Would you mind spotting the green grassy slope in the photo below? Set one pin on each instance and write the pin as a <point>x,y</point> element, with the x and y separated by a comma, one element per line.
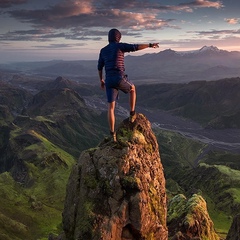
<point>212,176</point>
<point>38,150</point>
<point>31,207</point>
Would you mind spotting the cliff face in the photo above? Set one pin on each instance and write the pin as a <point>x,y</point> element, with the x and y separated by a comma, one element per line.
<point>117,190</point>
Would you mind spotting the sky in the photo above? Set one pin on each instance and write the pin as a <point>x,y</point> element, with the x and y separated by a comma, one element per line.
<point>33,30</point>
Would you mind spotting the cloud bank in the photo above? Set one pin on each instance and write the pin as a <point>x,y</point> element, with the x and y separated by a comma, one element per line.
<point>90,19</point>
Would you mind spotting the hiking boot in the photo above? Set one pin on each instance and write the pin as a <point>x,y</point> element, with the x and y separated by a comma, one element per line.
<point>132,117</point>
<point>113,136</point>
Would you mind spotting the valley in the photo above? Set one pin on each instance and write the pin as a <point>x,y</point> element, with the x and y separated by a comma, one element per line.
<point>222,139</point>
<point>47,121</point>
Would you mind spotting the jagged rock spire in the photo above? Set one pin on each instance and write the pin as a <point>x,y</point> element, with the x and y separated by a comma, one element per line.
<point>117,190</point>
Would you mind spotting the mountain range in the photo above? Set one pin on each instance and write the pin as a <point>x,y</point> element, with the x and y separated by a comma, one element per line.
<point>207,63</point>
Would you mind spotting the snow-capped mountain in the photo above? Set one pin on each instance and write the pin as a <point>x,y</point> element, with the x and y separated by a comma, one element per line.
<point>206,63</point>
<point>209,48</point>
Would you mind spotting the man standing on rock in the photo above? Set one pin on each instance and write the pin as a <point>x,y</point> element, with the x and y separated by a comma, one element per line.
<point>112,58</point>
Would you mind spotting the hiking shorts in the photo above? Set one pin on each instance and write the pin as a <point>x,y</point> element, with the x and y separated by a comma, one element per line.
<point>112,91</point>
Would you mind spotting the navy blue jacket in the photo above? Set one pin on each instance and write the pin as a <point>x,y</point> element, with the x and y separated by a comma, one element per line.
<point>112,58</point>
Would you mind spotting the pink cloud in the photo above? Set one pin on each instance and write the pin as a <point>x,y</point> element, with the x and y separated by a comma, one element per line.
<point>232,20</point>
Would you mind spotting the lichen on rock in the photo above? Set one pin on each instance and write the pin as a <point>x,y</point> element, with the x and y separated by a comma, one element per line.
<point>116,191</point>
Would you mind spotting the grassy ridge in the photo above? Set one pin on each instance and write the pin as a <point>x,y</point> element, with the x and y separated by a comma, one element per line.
<point>34,211</point>
<point>211,177</point>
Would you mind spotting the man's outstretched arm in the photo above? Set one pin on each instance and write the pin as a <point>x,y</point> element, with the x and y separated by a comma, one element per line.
<point>151,45</point>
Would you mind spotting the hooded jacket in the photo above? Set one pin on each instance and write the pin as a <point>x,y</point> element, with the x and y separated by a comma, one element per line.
<point>112,57</point>
<point>114,35</point>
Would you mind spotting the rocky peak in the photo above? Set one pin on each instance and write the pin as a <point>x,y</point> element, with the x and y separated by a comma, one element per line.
<point>188,219</point>
<point>60,82</point>
<point>209,48</point>
<point>116,191</point>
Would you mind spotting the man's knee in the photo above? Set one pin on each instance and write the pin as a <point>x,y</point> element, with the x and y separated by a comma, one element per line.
<point>132,89</point>
<point>111,106</point>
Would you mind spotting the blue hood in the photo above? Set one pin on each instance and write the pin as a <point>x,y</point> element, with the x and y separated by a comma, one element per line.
<point>114,35</point>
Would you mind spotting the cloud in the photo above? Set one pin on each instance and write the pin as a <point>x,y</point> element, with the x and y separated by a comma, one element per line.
<point>80,15</point>
<point>30,35</point>
<point>216,34</point>
<point>232,20</point>
<point>71,14</point>
<point>205,4</point>
<point>44,35</point>
<point>9,3</point>
<point>132,14</point>
<point>190,6</point>
<point>59,46</point>
<point>219,32</point>
<point>72,19</point>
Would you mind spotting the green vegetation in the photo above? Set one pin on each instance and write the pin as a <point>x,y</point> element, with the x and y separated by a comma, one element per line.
<point>214,175</point>
<point>38,151</point>
<point>32,210</point>
<point>177,152</point>
<point>130,183</point>
<point>184,215</point>
<point>222,158</point>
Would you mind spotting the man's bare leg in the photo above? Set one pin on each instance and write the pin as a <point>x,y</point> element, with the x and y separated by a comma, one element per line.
<point>111,119</point>
<point>132,98</point>
<point>132,103</point>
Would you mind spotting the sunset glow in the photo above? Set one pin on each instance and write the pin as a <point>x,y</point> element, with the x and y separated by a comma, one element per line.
<point>76,29</point>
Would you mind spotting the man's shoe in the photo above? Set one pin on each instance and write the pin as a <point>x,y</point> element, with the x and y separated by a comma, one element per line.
<point>113,136</point>
<point>132,117</point>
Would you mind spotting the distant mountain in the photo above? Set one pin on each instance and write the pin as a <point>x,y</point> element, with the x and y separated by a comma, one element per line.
<point>210,49</point>
<point>164,66</point>
<point>12,99</point>
<point>207,50</point>
<point>61,82</point>
<point>82,71</point>
<point>173,66</point>
<point>218,71</point>
<point>204,51</point>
